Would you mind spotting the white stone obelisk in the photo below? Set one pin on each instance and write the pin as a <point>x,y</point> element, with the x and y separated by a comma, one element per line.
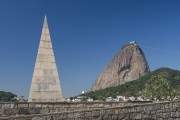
<point>45,86</point>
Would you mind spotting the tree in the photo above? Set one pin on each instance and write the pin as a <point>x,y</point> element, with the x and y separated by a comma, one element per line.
<point>158,87</point>
<point>6,96</point>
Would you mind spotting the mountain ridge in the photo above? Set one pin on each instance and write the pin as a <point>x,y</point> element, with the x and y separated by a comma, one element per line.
<point>127,65</point>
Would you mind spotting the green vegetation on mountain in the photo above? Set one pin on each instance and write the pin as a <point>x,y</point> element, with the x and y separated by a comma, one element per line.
<point>159,88</point>
<point>137,87</point>
<point>7,96</point>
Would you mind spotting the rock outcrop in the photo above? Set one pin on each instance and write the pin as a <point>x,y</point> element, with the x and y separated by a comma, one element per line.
<point>129,64</point>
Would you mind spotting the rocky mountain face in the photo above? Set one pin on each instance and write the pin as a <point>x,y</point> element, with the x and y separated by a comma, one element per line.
<point>129,64</point>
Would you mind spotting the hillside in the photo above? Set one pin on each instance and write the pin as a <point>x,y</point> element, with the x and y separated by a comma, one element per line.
<point>133,88</point>
<point>6,96</point>
<point>127,65</point>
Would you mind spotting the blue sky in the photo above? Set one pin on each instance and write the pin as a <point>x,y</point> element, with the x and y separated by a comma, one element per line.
<point>86,34</point>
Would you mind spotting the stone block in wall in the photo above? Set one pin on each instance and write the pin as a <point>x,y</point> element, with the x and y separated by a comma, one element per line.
<point>23,111</point>
<point>153,117</point>
<point>131,110</point>
<point>70,115</point>
<point>137,116</point>
<point>58,117</point>
<point>32,105</point>
<point>107,105</point>
<point>74,105</point>
<point>52,110</point>
<point>79,115</point>
<point>171,105</point>
<point>166,106</point>
<point>8,112</point>
<point>39,105</point>
<point>153,107</point>
<point>34,111</point>
<point>158,106</point>
<point>88,106</point>
<point>116,111</point>
<point>127,117</point>
<point>47,105</point>
<point>153,112</point>
<point>22,118</point>
<point>45,110</point>
<point>138,109</point>
<point>158,116</point>
<point>162,106</point>
<point>175,114</point>
<point>67,105</point>
<point>173,109</point>
<point>177,104</point>
<point>166,115</point>
<point>95,105</point>
<point>149,107</point>
<point>125,110</point>
<point>58,105</point>
<point>98,118</point>
<point>72,109</point>
<point>146,112</point>
<point>106,117</point>
<point>115,105</point>
<point>178,109</point>
<point>37,118</point>
<point>77,119</point>
<point>104,112</point>
<point>171,119</point>
<point>64,116</point>
<point>15,111</point>
<point>88,115</point>
<point>95,114</point>
<point>100,105</point>
<point>80,105</point>
<point>61,105</point>
<point>114,117</point>
<point>23,105</point>
<point>121,115</point>
<point>6,106</point>
<point>145,116</point>
<point>120,111</point>
<point>62,109</point>
<point>166,110</point>
<point>112,111</point>
<point>52,117</point>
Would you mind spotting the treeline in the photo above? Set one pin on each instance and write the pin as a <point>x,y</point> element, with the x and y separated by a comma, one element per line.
<point>7,96</point>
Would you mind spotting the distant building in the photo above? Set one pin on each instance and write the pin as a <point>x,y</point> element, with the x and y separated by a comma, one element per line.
<point>108,99</point>
<point>19,99</point>
<point>90,100</point>
<point>68,100</point>
<point>140,99</point>
<point>76,100</point>
<point>132,42</point>
<point>132,98</point>
<point>121,98</point>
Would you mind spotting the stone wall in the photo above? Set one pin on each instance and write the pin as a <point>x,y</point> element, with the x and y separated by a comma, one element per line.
<point>13,109</point>
<point>148,111</point>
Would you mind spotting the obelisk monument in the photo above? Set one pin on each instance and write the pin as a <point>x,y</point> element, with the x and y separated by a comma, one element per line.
<point>45,86</point>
